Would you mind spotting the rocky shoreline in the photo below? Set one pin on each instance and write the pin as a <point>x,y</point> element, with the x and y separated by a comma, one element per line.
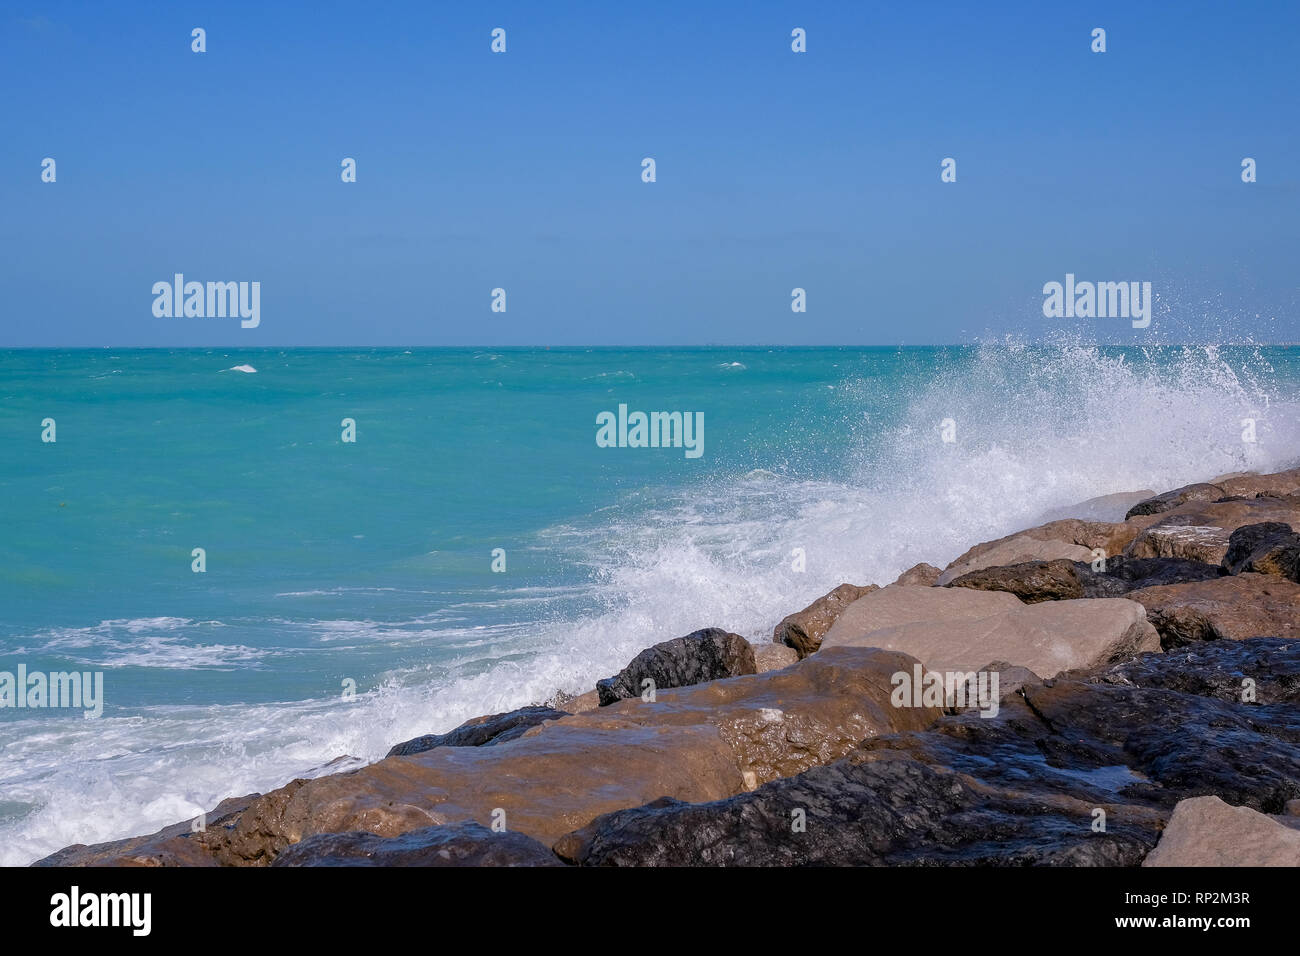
<point>1085,692</point>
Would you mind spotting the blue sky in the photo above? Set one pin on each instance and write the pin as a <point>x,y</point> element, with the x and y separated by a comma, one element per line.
<point>522,170</point>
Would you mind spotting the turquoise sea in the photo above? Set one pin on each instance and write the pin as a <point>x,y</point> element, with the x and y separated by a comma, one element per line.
<point>330,563</point>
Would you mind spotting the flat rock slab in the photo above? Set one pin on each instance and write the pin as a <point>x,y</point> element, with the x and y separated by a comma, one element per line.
<point>458,844</point>
<point>958,629</point>
<point>1205,831</point>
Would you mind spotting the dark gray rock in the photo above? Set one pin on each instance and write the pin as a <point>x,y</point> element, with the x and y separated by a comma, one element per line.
<point>481,731</point>
<point>708,654</point>
<point>1158,504</point>
<point>1269,547</point>
<point>1135,573</point>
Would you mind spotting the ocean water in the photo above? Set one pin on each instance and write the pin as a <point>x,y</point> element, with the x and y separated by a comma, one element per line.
<point>371,562</point>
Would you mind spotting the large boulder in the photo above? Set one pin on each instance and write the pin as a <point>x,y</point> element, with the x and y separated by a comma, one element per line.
<point>804,629</point>
<point>708,654</point>
<point>1232,608</point>
<point>1205,831</point>
<point>958,629</point>
<point>481,731</point>
<point>1270,547</point>
<point>457,844</point>
<point>1120,744</point>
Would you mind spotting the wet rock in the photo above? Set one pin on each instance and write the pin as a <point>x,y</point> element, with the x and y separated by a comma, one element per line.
<point>961,629</point>
<point>1134,573</point>
<point>1270,547</point>
<point>1024,787</point>
<point>1224,608</point>
<point>481,731</point>
<point>804,629</point>
<point>1215,670</point>
<point>1032,581</point>
<point>1205,831</point>
<point>919,575</point>
<point>708,654</point>
<point>457,844</point>
<point>696,743</point>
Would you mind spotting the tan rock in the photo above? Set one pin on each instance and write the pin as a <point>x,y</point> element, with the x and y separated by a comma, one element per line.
<point>803,630</point>
<point>1235,607</point>
<point>1278,484</point>
<point>961,629</point>
<point>772,657</point>
<point>919,576</point>
<point>583,702</point>
<point>1205,831</point>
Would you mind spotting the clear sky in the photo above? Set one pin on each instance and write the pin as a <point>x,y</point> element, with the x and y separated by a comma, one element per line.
<point>522,170</point>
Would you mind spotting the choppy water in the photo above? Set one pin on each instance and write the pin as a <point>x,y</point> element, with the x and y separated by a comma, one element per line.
<point>329,561</point>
